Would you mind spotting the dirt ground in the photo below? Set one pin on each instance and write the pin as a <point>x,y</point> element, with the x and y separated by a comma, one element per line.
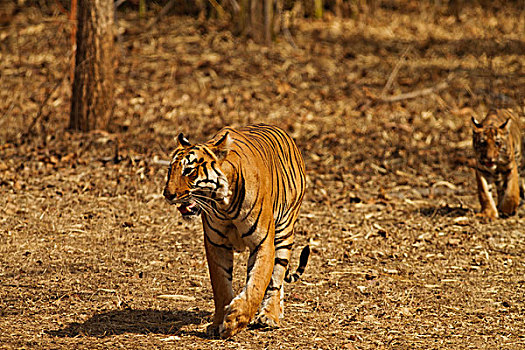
<point>92,257</point>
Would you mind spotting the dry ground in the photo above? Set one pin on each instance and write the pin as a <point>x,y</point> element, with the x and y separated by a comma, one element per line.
<point>92,257</point>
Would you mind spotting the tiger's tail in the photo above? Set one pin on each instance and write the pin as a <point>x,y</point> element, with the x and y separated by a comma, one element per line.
<point>303,260</point>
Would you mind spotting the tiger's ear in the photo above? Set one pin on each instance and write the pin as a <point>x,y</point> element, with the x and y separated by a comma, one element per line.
<point>182,141</point>
<point>506,125</point>
<point>476,124</point>
<point>222,146</point>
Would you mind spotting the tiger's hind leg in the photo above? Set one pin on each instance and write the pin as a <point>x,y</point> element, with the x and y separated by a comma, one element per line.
<point>272,307</point>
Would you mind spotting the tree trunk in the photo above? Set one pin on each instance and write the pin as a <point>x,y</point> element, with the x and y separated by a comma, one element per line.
<point>314,8</point>
<point>256,19</point>
<point>92,98</point>
<point>268,21</point>
<point>73,21</point>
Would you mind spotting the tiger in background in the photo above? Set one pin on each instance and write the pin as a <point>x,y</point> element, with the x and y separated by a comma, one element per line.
<point>247,185</point>
<point>498,148</point>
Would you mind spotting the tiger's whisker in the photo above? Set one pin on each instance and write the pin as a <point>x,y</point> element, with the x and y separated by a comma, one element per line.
<point>199,195</point>
<point>204,206</point>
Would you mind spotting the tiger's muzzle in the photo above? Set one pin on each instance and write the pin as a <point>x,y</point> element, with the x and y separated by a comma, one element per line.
<point>186,206</point>
<point>189,208</point>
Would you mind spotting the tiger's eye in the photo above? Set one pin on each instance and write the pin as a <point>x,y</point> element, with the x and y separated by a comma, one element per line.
<point>188,171</point>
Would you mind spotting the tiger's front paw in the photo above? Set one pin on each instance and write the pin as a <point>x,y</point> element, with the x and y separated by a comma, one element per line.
<point>487,215</point>
<point>270,312</point>
<point>237,317</point>
<point>212,330</point>
<point>267,320</point>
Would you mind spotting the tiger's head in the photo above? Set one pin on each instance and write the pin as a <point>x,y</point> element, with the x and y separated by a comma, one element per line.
<point>491,143</point>
<point>195,181</point>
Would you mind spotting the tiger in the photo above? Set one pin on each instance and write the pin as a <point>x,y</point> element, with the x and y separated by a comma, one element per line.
<point>247,185</point>
<point>497,143</point>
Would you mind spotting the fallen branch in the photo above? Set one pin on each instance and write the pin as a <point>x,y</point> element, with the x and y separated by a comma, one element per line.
<point>413,94</point>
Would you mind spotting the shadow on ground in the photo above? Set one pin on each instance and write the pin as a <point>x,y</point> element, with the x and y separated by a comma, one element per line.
<point>446,210</point>
<point>132,321</point>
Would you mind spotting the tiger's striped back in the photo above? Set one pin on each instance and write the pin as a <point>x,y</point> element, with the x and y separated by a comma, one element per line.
<point>280,162</point>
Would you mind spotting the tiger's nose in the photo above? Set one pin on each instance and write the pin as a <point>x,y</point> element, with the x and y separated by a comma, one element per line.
<point>169,196</point>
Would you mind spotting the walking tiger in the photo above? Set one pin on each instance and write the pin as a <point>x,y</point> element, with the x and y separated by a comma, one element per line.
<point>497,142</point>
<point>247,185</point>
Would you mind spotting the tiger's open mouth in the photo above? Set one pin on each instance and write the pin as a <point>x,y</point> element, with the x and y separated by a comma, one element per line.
<point>189,208</point>
<point>489,164</point>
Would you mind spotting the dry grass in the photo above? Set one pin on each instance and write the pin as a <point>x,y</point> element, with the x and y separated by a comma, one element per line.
<point>88,248</point>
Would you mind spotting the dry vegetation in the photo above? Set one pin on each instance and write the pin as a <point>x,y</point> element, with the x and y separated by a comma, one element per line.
<point>92,257</point>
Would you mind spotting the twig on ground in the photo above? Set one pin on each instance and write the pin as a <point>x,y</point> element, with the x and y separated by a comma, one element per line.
<point>161,162</point>
<point>393,75</point>
<point>413,94</point>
